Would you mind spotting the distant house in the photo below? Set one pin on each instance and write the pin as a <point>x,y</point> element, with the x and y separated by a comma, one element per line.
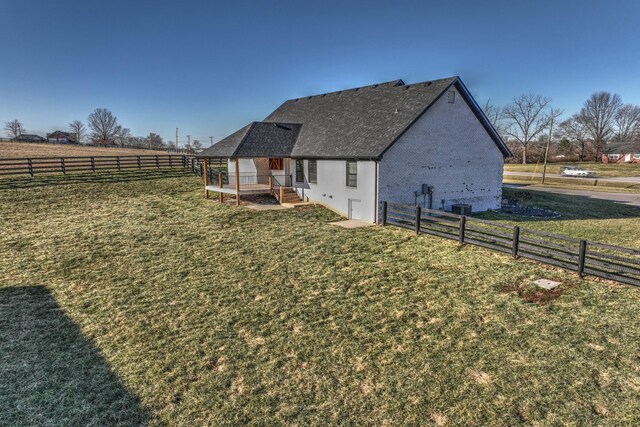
<point>426,144</point>
<point>26,137</point>
<point>622,152</point>
<point>60,137</point>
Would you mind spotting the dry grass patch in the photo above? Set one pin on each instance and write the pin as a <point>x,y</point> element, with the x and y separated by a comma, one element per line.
<point>21,149</point>
<point>166,309</point>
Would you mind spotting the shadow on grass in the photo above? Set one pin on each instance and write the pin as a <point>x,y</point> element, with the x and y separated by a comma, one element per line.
<point>89,177</point>
<point>570,207</point>
<point>49,373</point>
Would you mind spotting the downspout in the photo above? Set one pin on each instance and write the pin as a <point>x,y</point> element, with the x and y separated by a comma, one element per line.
<point>375,198</point>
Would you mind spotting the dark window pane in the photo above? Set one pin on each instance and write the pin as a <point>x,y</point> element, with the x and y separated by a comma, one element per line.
<point>299,171</point>
<point>352,173</point>
<point>313,171</point>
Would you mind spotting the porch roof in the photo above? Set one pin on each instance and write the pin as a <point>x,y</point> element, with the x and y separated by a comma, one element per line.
<point>257,139</point>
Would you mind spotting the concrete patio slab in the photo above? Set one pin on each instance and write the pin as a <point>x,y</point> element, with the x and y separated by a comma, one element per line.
<point>258,207</point>
<point>352,223</point>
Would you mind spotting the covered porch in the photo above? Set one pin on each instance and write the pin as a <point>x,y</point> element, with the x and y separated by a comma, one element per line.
<point>249,176</point>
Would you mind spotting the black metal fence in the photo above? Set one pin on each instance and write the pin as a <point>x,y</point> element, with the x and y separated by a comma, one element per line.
<point>584,257</point>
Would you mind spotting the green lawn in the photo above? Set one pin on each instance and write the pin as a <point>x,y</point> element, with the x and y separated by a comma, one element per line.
<point>601,169</point>
<point>581,217</point>
<point>141,302</point>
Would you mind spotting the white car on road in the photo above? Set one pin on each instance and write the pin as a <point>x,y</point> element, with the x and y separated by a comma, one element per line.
<point>573,171</point>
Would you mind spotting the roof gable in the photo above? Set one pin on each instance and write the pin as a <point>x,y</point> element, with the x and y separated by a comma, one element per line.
<point>359,123</point>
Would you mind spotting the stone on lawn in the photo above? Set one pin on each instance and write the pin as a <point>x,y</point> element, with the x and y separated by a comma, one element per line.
<point>547,284</point>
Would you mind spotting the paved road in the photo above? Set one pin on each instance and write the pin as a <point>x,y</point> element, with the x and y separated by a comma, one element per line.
<point>634,179</point>
<point>624,198</point>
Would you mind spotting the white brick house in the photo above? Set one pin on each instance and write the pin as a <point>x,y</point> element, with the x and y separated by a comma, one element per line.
<point>426,143</point>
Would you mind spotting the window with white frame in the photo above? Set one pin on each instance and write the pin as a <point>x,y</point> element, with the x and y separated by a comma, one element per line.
<point>299,170</point>
<point>352,173</point>
<point>312,166</point>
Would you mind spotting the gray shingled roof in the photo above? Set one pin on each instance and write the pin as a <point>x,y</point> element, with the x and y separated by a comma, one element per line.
<point>622,148</point>
<point>356,123</point>
<point>259,139</point>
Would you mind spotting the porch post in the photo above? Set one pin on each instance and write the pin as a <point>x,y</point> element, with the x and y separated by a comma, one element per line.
<point>206,177</point>
<point>237,183</point>
<point>220,184</point>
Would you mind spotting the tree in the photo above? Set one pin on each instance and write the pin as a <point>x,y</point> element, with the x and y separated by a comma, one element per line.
<point>598,114</point>
<point>197,145</point>
<point>526,118</point>
<point>575,131</point>
<point>122,135</point>
<point>103,125</point>
<point>627,123</point>
<point>77,129</point>
<point>155,141</point>
<point>494,114</point>
<point>14,128</point>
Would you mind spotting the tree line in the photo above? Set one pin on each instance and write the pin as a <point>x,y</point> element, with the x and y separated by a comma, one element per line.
<point>102,128</point>
<point>530,122</point>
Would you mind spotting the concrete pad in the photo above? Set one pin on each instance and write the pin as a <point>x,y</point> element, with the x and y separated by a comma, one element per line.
<point>257,207</point>
<point>352,223</point>
<point>547,284</point>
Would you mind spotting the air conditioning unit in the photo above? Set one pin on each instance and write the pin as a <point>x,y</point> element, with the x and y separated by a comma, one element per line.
<point>461,209</point>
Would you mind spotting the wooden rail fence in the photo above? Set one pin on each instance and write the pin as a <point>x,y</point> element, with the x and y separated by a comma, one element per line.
<point>46,165</point>
<point>584,257</point>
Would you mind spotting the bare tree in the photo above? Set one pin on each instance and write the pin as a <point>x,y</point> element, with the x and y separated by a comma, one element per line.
<point>598,115</point>
<point>122,135</point>
<point>494,114</point>
<point>526,119</point>
<point>103,125</point>
<point>627,123</point>
<point>78,130</point>
<point>574,130</point>
<point>197,145</point>
<point>155,141</point>
<point>14,128</point>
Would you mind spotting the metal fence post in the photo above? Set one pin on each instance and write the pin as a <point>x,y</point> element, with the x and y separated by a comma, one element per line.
<point>463,226</point>
<point>582,257</point>
<point>418,217</point>
<point>384,213</point>
<point>516,241</point>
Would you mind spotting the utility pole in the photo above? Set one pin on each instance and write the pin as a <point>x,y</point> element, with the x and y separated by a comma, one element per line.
<point>188,141</point>
<point>546,151</point>
<point>211,139</point>
<point>177,139</point>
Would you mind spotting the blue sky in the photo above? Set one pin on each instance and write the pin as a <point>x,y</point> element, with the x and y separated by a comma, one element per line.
<point>210,67</point>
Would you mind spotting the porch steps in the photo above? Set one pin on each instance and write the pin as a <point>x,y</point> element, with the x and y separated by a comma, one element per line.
<point>290,198</point>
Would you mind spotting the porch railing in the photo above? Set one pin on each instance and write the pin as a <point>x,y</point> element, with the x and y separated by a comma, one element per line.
<point>221,177</point>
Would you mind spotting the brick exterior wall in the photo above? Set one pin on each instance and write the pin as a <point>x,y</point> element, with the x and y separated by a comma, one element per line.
<point>449,149</point>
